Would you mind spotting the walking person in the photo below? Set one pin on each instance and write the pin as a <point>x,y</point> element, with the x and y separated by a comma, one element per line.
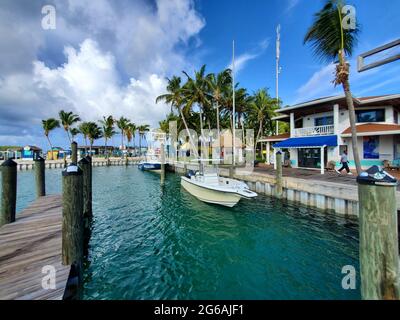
<point>345,163</point>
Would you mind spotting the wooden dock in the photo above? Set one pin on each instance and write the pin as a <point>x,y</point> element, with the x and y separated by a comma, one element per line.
<point>32,242</point>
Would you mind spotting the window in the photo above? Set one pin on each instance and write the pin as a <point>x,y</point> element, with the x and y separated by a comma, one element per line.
<point>298,123</point>
<point>371,147</point>
<point>323,121</point>
<point>395,116</point>
<point>377,115</point>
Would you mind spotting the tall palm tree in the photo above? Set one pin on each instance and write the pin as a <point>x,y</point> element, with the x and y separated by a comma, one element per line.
<point>67,120</point>
<point>262,110</point>
<point>73,132</point>
<point>107,131</point>
<point>331,43</point>
<point>195,92</point>
<point>130,132</point>
<point>93,133</point>
<point>218,85</point>
<point>84,129</point>
<point>122,124</point>
<point>175,98</point>
<point>49,125</point>
<point>142,134</point>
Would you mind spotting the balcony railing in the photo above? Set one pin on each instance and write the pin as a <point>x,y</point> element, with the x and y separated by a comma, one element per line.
<point>314,131</point>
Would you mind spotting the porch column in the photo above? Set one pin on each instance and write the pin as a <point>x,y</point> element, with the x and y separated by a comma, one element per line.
<point>291,124</point>
<point>322,160</point>
<point>275,151</point>
<point>336,119</point>
<point>267,152</point>
<point>277,127</point>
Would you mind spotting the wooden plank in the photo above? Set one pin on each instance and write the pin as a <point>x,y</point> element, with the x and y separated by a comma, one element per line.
<point>29,244</point>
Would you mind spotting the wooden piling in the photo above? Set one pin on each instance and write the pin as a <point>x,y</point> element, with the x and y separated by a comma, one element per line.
<point>9,191</point>
<point>84,164</point>
<point>379,255</point>
<point>162,164</point>
<point>72,222</point>
<point>74,152</point>
<point>278,174</point>
<point>40,177</point>
<point>89,210</point>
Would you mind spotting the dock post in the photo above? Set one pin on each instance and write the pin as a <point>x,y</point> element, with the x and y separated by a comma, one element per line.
<point>89,187</point>
<point>278,174</point>
<point>84,164</point>
<point>74,152</point>
<point>379,250</point>
<point>9,191</point>
<point>72,222</point>
<point>162,164</point>
<point>40,177</point>
<point>231,171</point>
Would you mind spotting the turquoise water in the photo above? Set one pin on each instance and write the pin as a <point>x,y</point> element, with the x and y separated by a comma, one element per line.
<point>150,242</point>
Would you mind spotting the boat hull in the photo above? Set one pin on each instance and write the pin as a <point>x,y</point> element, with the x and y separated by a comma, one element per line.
<point>226,199</point>
<point>149,166</point>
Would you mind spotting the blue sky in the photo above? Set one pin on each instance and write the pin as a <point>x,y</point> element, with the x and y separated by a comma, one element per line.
<point>113,57</point>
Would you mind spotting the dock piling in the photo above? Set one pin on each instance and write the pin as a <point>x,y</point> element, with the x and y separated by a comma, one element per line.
<point>84,164</point>
<point>278,174</point>
<point>40,177</point>
<point>162,164</point>
<point>72,221</point>
<point>379,255</point>
<point>9,191</point>
<point>74,152</point>
<point>89,187</point>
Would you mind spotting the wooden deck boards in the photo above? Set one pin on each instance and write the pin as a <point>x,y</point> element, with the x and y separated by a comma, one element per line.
<point>29,244</point>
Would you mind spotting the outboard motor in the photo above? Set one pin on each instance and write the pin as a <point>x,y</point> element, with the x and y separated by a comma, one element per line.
<point>190,174</point>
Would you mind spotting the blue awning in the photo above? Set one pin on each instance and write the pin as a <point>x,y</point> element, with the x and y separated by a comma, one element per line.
<point>310,142</point>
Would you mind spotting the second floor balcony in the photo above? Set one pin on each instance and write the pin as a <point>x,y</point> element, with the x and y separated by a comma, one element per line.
<point>314,131</point>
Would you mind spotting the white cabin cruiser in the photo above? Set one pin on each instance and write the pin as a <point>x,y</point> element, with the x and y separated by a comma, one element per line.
<point>211,188</point>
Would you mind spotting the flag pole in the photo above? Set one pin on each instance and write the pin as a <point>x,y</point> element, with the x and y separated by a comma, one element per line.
<point>278,38</point>
<point>233,102</point>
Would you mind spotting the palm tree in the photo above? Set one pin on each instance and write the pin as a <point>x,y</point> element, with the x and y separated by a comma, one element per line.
<point>218,85</point>
<point>67,120</point>
<point>49,125</point>
<point>195,92</point>
<point>262,110</point>
<point>130,132</point>
<point>142,134</point>
<point>73,132</point>
<point>175,98</point>
<point>84,129</point>
<point>107,131</point>
<point>93,133</point>
<point>330,43</point>
<point>122,124</point>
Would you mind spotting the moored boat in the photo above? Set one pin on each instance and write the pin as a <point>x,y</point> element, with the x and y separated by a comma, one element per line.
<point>211,188</point>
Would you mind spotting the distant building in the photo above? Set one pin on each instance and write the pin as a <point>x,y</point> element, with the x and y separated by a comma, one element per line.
<point>30,152</point>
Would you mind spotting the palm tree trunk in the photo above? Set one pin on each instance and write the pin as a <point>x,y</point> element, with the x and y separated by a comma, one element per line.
<point>218,119</point>
<point>188,132</point>
<point>51,148</point>
<point>352,118</point>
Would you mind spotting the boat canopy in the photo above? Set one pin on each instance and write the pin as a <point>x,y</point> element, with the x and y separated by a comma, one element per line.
<point>308,142</point>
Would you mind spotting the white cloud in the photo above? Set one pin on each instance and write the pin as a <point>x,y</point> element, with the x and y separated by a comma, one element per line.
<point>291,5</point>
<point>105,57</point>
<point>319,85</point>
<point>242,59</point>
<point>88,83</point>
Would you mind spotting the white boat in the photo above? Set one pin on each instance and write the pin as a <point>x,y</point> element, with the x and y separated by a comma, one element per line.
<point>211,188</point>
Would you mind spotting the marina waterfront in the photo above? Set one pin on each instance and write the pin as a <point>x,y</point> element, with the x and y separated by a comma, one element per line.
<point>153,242</point>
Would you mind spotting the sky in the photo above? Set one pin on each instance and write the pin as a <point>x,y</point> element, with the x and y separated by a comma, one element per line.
<point>113,56</point>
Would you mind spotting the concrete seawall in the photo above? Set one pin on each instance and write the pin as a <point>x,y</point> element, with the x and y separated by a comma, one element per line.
<point>338,198</point>
<point>56,164</point>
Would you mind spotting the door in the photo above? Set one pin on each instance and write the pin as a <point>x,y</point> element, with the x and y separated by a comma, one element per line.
<point>311,157</point>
